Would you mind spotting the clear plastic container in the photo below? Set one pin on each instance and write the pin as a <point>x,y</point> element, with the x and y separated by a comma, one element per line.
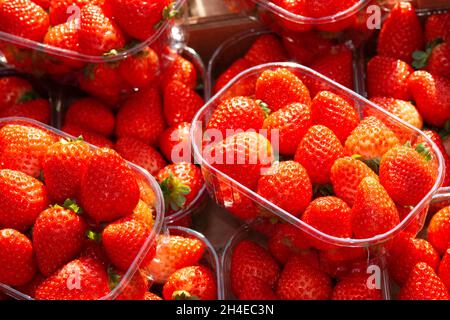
<point>423,7</point>
<point>158,215</point>
<point>232,195</point>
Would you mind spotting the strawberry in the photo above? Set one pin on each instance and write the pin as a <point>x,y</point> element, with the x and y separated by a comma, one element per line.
<point>179,69</point>
<point>151,296</point>
<point>57,237</point>
<point>432,96</point>
<point>141,117</point>
<point>406,174</point>
<point>14,90</point>
<point>290,123</point>
<point>405,252</point>
<point>256,289</point>
<point>87,135</point>
<point>180,184</point>
<point>320,8</point>
<point>297,7</point>
<point>435,59</point>
<point>23,147</point>
<point>90,114</point>
<point>423,284</point>
<point>61,10</point>
<point>181,103</point>
<point>174,143</point>
<point>45,4</point>
<point>23,198</point>
<point>306,46</point>
<point>238,113</point>
<point>286,241</point>
<point>140,153</point>
<point>438,230</point>
<point>141,69</point>
<point>108,189</point>
<point>237,67</point>
<point>143,213</point>
<point>249,260</point>
<point>317,152</point>
<point>438,26</point>
<point>91,282</point>
<point>286,184</point>
<point>23,18</point>
<point>355,287</point>
<point>444,269</point>
<point>371,139</point>
<point>37,109</point>
<point>281,87</point>
<point>98,33</point>
<point>173,253</point>
<point>266,48</point>
<point>401,33</point>
<point>17,264</point>
<point>135,289</point>
<point>301,281</point>
<point>346,175</point>
<point>373,211</point>
<point>191,283</point>
<point>334,112</point>
<point>30,287</point>
<point>330,215</point>
<point>339,262</point>
<point>388,77</point>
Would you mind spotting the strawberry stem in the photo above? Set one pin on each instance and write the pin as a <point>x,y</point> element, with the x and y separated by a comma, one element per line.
<point>421,57</point>
<point>183,295</point>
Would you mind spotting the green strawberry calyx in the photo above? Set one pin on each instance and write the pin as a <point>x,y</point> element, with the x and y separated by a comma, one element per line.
<point>421,57</point>
<point>423,151</point>
<point>94,236</point>
<point>168,13</point>
<point>28,96</point>
<point>265,107</point>
<point>183,295</point>
<point>174,192</point>
<point>72,205</point>
<point>113,278</point>
<point>373,163</point>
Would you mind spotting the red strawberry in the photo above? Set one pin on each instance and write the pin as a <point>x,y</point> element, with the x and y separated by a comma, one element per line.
<point>286,184</point>
<point>438,230</point>
<point>444,269</point>
<point>141,117</point>
<point>14,90</point>
<point>266,48</point>
<point>23,147</point>
<point>30,288</point>
<point>290,123</point>
<point>181,103</point>
<point>23,199</point>
<point>191,283</point>
<point>57,237</point>
<point>355,287</point>
<point>151,296</point>
<point>23,18</point>
<point>92,115</point>
<point>37,109</point>
<point>438,26</point>
<point>108,189</point>
<point>423,284</point>
<point>279,88</point>
<point>141,69</point>
<point>173,253</point>
<point>179,69</point>
<point>87,135</point>
<point>90,283</point>
<point>256,289</point>
<point>432,96</point>
<point>317,152</point>
<point>373,211</point>
<point>405,252</point>
<point>62,10</point>
<point>388,77</point>
<point>45,4</point>
<point>436,59</point>
<point>17,264</point>
<point>143,213</point>
<point>237,67</point>
<point>141,154</point>
<point>296,7</point>
<point>301,281</point>
<point>286,241</point>
<point>136,288</point>
<point>305,47</point>
<point>320,8</point>
<point>174,143</point>
<point>401,33</point>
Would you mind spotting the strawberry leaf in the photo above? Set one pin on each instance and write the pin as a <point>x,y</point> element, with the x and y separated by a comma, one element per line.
<point>174,192</point>
<point>72,205</point>
<point>423,151</point>
<point>94,236</point>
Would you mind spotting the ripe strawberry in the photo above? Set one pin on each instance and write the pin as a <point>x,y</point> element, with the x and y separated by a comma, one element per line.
<point>180,184</point>
<point>286,184</point>
<point>306,46</point>
<point>297,7</point>
<point>181,103</point>
<point>444,269</point>
<point>249,260</point>
<point>87,135</point>
<point>179,69</point>
<point>405,252</point>
<point>141,154</point>
<point>355,287</point>
<point>90,114</point>
<point>251,153</point>
<point>256,289</point>
<point>401,33</point>
<point>37,109</point>
<point>266,48</point>
<point>135,289</point>
<point>279,88</point>
<point>141,69</point>
<point>141,117</point>
<point>373,211</point>
<point>438,26</point>
<point>174,143</point>
<point>371,139</point>
<point>151,296</point>
<point>330,215</point>
<point>98,33</point>
<point>45,4</point>
<point>438,230</point>
<point>23,18</point>
<point>30,287</point>
<point>291,123</point>
<point>191,283</point>
<point>237,67</point>
<point>388,77</point>
<point>435,59</point>
<point>432,96</point>
<point>320,8</point>
<point>143,213</point>
<point>317,152</point>
<point>108,189</point>
<point>346,175</point>
<point>173,253</point>
<point>238,113</point>
<point>23,147</point>
<point>301,281</point>
<point>23,198</point>
<point>60,10</point>
<point>332,111</point>
<point>57,237</point>
<point>286,241</point>
<point>91,282</point>
<point>14,90</point>
<point>17,264</point>
<point>339,262</point>
<point>423,284</point>
<point>406,174</point>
